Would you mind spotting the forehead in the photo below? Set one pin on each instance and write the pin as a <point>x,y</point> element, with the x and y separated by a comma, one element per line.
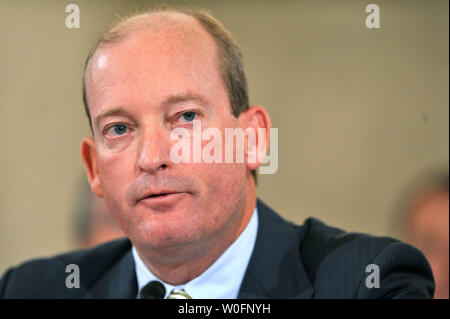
<point>169,57</point>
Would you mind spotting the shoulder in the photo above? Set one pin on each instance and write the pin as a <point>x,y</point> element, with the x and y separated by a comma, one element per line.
<point>319,241</point>
<point>46,277</point>
<point>356,265</point>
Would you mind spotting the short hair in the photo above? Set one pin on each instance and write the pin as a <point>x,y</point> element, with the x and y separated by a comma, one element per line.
<point>230,60</point>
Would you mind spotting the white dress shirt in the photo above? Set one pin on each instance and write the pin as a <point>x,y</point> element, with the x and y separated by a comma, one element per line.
<point>222,280</point>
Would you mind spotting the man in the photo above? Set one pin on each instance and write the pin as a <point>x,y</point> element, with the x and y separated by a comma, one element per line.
<point>423,222</point>
<point>198,228</point>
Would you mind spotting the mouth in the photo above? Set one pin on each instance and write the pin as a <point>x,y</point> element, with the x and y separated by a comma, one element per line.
<point>161,198</point>
<point>161,195</point>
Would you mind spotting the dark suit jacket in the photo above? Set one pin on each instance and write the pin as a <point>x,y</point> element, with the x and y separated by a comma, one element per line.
<point>289,261</point>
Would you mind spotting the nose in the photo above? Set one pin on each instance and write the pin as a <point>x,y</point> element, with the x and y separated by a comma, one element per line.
<point>154,149</point>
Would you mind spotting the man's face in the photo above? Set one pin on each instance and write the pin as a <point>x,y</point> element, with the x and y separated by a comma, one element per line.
<point>139,90</point>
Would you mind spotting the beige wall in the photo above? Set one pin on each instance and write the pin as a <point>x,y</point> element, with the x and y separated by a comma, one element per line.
<point>359,111</point>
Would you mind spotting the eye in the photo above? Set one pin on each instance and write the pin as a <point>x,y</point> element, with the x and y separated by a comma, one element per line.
<point>188,116</point>
<point>118,129</point>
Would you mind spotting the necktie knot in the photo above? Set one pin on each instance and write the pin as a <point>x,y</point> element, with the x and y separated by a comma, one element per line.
<point>178,294</point>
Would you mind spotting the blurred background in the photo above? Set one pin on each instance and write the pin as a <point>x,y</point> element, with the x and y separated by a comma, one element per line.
<point>362,116</point>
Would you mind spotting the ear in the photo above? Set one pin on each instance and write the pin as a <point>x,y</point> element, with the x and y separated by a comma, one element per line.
<point>89,157</point>
<point>257,119</point>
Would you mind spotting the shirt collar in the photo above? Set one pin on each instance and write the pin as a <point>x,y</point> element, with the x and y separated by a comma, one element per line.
<point>222,280</point>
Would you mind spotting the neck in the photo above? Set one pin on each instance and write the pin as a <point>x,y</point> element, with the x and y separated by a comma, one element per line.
<point>186,267</point>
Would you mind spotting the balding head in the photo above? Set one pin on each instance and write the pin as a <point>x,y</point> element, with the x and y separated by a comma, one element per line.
<point>157,44</point>
<point>179,24</point>
<point>156,21</point>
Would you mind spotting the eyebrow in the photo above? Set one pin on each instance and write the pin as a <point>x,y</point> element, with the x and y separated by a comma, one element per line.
<point>171,100</point>
<point>112,112</point>
<point>180,98</point>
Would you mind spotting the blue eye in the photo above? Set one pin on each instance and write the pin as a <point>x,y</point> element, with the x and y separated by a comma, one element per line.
<point>188,116</point>
<point>119,129</point>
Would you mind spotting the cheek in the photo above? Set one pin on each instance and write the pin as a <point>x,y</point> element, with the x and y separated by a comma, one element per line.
<point>228,189</point>
<point>112,170</point>
<point>223,182</point>
<point>116,174</point>
<point>224,190</point>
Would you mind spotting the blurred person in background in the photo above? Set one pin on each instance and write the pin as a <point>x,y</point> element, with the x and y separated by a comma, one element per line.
<point>94,224</point>
<point>423,221</point>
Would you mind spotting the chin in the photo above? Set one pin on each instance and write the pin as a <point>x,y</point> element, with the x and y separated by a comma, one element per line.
<point>164,232</point>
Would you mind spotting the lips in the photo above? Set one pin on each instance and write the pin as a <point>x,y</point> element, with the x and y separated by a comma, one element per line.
<point>162,202</point>
<point>159,195</point>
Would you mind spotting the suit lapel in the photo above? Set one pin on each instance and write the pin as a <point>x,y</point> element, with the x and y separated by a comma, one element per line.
<point>275,269</point>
